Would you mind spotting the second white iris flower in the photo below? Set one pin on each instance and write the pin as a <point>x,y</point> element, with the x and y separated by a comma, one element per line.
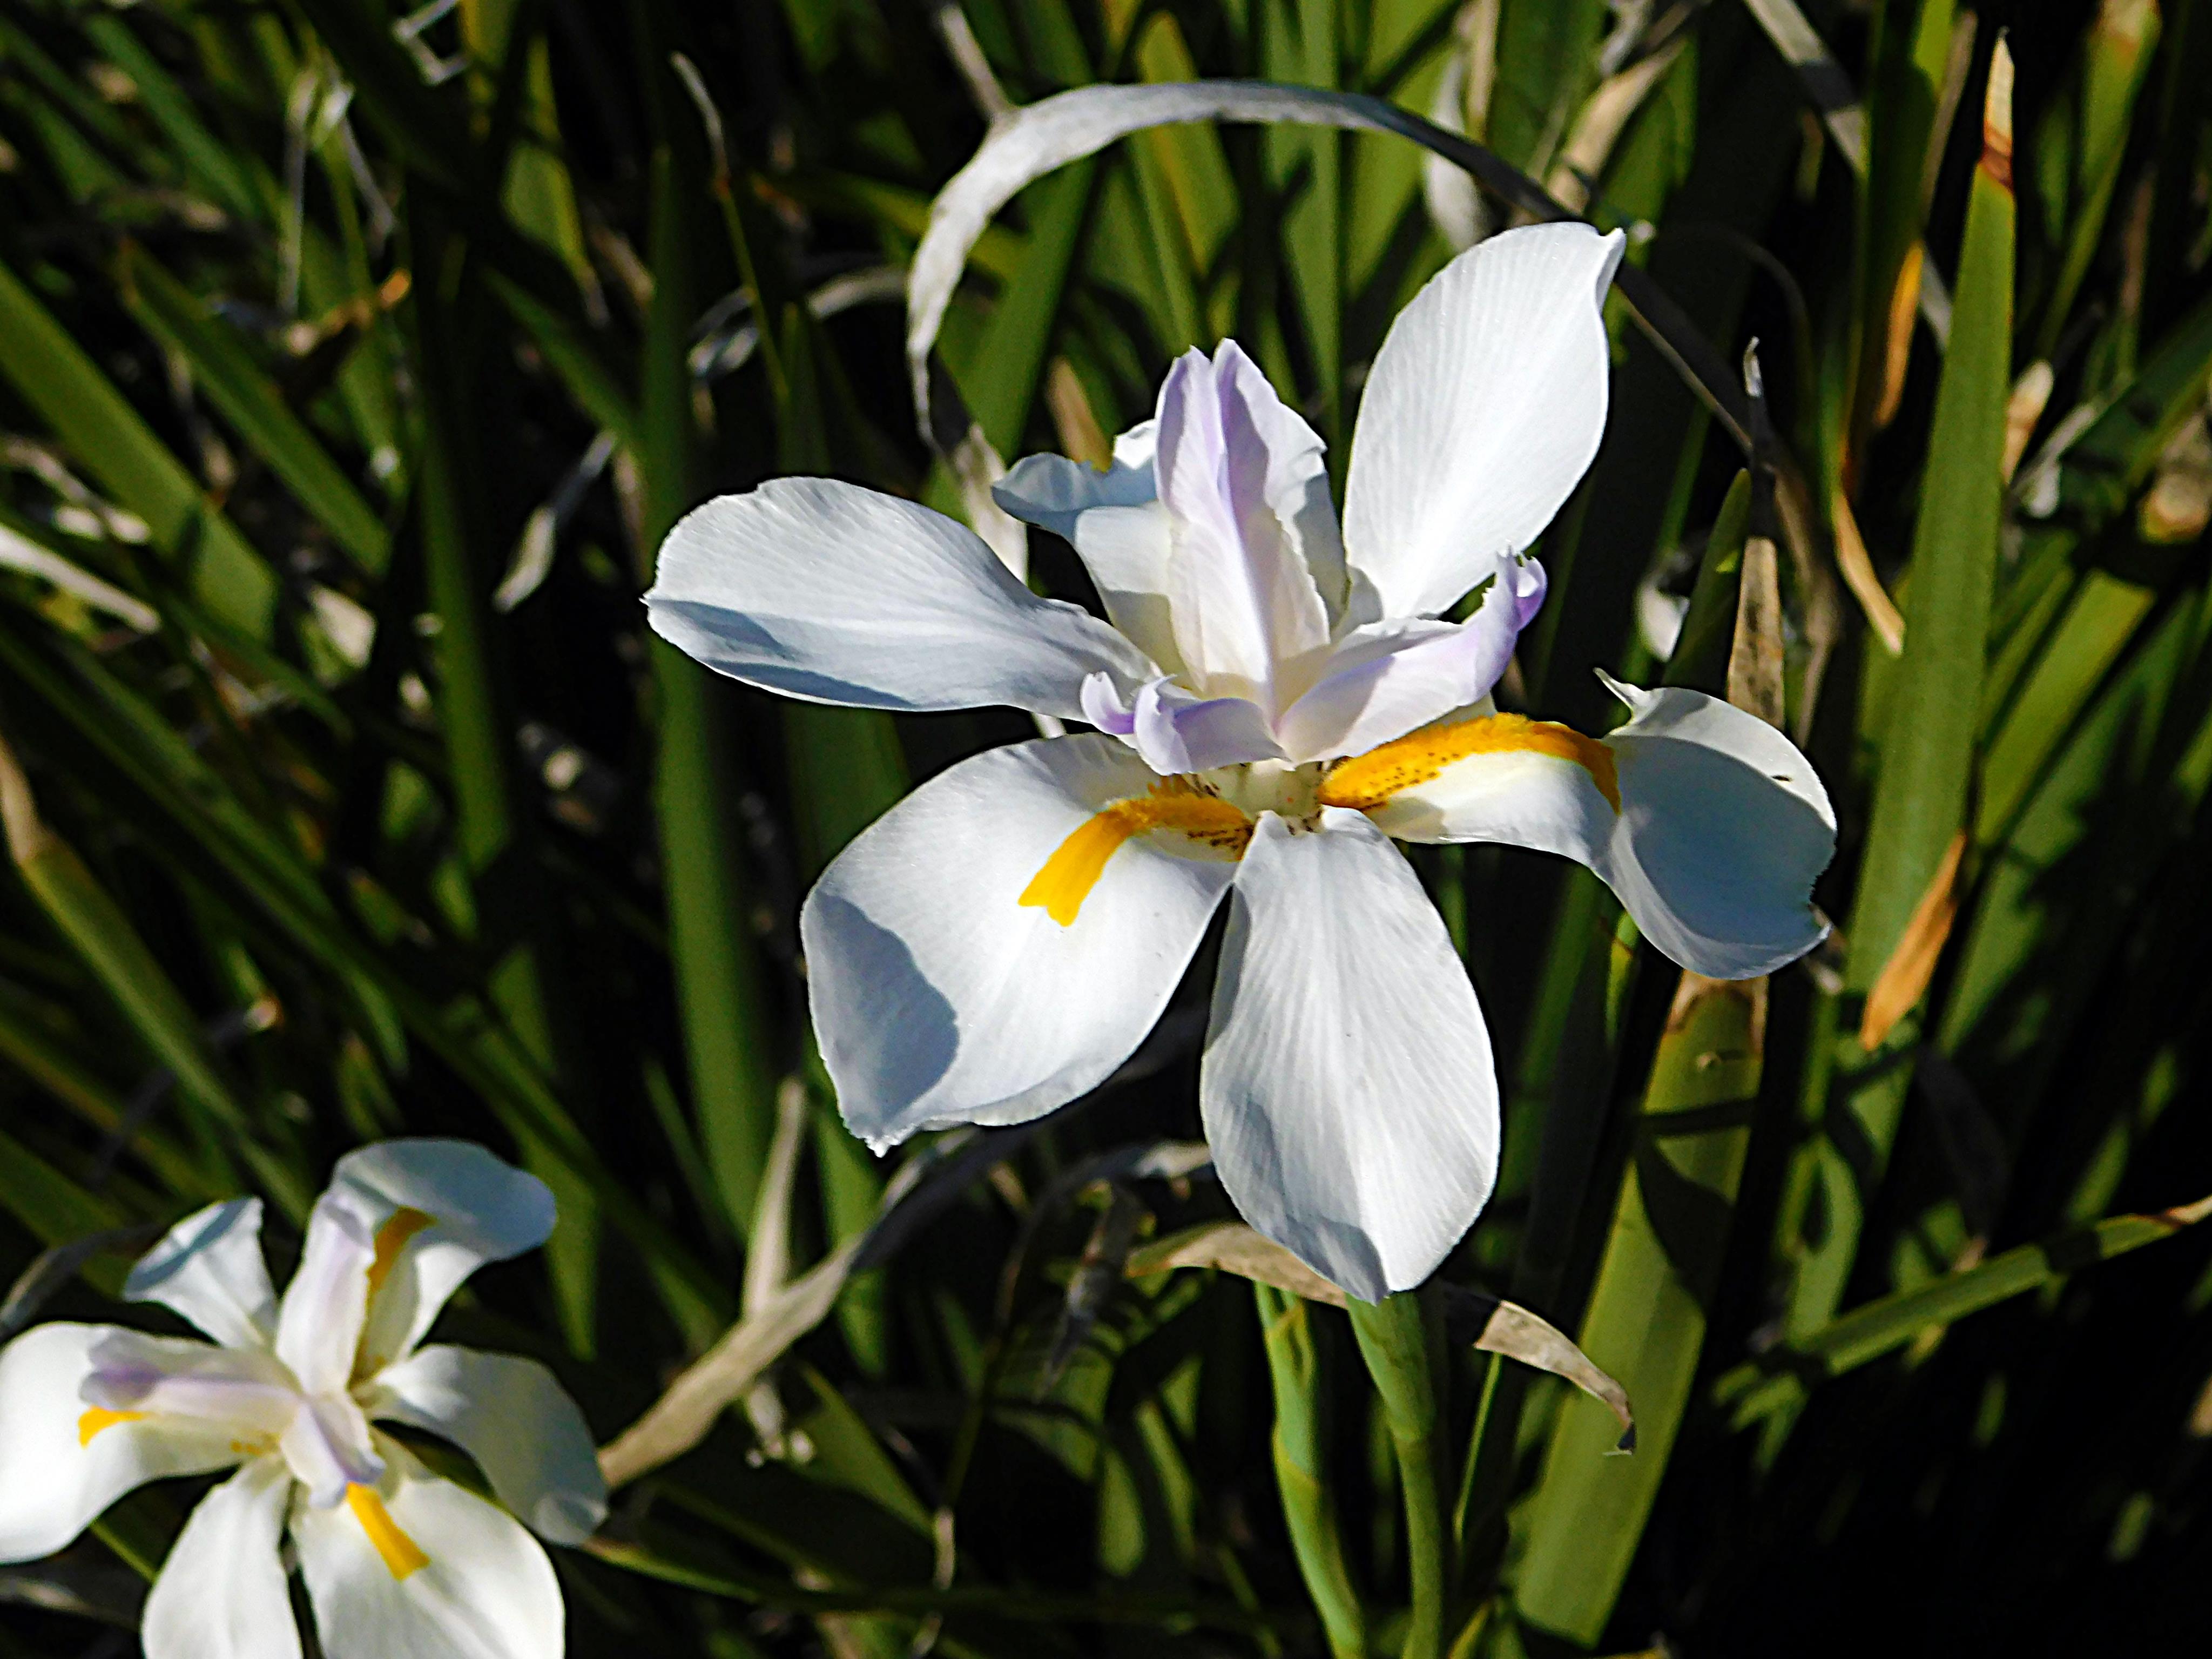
<point>1276,699</point>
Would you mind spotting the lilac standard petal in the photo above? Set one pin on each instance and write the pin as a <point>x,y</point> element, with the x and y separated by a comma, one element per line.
<point>1178,731</point>
<point>245,1391</point>
<point>1104,707</point>
<point>1244,603</point>
<point>1388,678</point>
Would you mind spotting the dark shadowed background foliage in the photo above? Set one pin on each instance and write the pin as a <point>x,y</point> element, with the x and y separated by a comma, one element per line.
<point>351,367</point>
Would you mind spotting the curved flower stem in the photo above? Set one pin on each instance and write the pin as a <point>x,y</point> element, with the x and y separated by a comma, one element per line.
<point>1394,1341</point>
<point>1300,1472</point>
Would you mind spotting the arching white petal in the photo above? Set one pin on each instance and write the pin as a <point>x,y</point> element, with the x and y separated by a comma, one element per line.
<point>1234,469</point>
<point>210,1269</point>
<point>444,1576</point>
<point>1723,827</point>
<point>516,1420</point>
<point>1348,1090</point>
<point>1483,410</point>
<point>62,1462</point>
<point>221,1594</point>
<point>1386,678</point>
<point>834,594</point>
<point>939,997</point>
<point>1178,731</point>
<point>440,1209</point>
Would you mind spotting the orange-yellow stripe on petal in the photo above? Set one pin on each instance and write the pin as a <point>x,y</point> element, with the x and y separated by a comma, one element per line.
<point>401,1553</point>
<point>1072,871</point>
<point>100,1418</point>
<point>392,1238</point>
<point>1367,780</point>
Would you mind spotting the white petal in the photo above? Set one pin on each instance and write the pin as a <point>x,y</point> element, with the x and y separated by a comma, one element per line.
<point>1119,529</point>
<point>940,997</point>
<point>1053,492</point>
<point>221,1594</point>
<point>319,1324</point>
<point>1386,678</point>
<point>516,1420</point>
<point>441,1209</point>
<point>54,1481</point>
<point>483,1589</point>
<point>1348,1090</point>
<point>1723,827</point>
<point>1234,469</point>
<point>828,592</point>
<point>1483,410</point>
<point>210,1269</point>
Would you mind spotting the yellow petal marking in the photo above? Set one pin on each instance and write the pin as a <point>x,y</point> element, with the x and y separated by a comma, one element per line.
<point>392,1238</point>
<point>1364,781</point>
<point>401,1554</point>
<point>99,1418</point>
<point>1072,871</point>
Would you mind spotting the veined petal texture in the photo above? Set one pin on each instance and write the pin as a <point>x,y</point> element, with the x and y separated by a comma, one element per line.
<point>834,594</point>
<point>939,996</point>
<point>1234,468</point>
<point>1348,1090</point>
<point>1721,829</point>
<point>1483,411</point>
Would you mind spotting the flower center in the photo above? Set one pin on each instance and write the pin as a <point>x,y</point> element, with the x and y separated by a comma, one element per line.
<point>1213,813</point>
<point>1366,781</point>
<point>1183,806</point>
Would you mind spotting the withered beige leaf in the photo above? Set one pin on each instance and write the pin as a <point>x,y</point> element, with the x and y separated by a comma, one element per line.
<point>1234,1248</point>
<point>1881,612</point>
<point>1905,976</point>
<point>1490,1324</point>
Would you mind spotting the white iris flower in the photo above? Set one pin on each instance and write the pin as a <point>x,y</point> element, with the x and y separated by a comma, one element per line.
<point>1275,700</point>
<point>396,1559</point>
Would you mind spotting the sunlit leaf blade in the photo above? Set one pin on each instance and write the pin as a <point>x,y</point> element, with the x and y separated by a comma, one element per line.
<point>107,439</point>
<point>1920,795</point>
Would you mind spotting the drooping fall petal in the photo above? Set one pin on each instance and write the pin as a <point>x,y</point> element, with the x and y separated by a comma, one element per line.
<point>63,1461</point>
<point>221,1594</point>
<point>515,1419</point>
<point>1348,1090</point>
<point>1720,829</point>
<point>946,986</point>
<point>422,1567</point>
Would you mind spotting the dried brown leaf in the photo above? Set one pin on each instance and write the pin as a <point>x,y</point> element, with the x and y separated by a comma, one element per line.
<point>1903,978</point>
